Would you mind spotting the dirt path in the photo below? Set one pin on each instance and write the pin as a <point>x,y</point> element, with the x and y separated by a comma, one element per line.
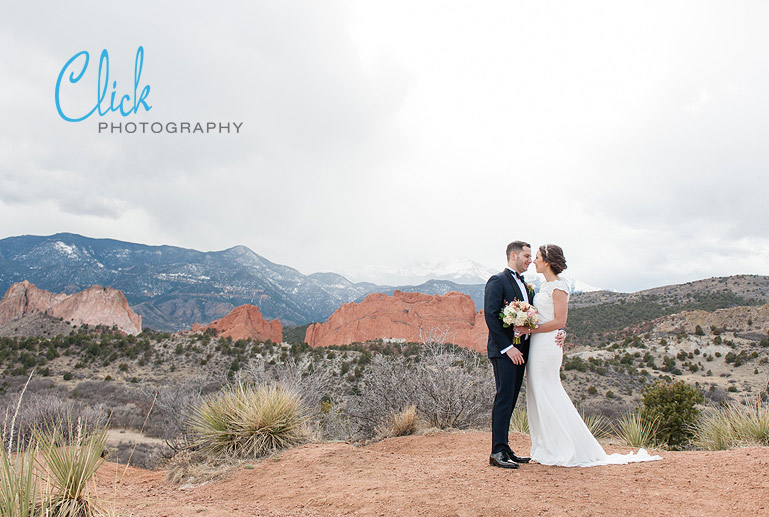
<point>447,474</point>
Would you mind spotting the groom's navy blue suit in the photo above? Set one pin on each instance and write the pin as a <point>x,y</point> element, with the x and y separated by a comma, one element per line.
<point>501,289</point>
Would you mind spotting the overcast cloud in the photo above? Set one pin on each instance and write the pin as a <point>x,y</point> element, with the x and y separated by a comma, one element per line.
<point>381,133</point>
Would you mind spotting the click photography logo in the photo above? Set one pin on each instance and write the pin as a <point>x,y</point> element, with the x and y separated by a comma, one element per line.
<point>76,102</point>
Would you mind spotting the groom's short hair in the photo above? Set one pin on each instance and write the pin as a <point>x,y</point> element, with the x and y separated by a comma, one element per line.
<point>516,247</point>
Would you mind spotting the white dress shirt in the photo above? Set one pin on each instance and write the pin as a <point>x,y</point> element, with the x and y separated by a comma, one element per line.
<point>522,287</point>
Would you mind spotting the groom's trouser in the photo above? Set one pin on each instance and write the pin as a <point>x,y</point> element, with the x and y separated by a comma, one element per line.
<point>508,378</point>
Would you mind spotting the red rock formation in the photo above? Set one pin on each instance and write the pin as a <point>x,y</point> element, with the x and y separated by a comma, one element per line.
<point>94,306</point>
<point>245,322</point>
<point>400,317</point>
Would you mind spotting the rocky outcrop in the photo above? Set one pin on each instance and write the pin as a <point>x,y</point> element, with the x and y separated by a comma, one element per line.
<point>245,322</point>
<point>408,316</point>
<point>94,306</point>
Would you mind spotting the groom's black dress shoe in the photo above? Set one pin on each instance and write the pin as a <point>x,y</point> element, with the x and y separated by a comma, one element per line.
<point>501,459</point>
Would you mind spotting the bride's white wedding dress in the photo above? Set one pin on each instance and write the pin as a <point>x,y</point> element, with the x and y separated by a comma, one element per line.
<point>558,434</point>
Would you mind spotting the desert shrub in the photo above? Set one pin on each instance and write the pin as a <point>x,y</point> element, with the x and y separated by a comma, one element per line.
<point>248,421</point>
<point>172,406</point>
<point>387,388</point>
<point>673,407</point>
<point>453,387</point>
<point>142,455</point>
<point>635,431</point>
<point>448,386</point>
<point>575,363</point>
<point>52,411</point>
<point>312,384</point>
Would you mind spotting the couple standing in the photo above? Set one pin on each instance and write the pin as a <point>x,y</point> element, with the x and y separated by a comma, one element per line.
<point>558,434</point>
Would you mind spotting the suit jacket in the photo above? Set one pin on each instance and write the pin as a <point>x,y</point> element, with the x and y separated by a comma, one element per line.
<point>500,290</point>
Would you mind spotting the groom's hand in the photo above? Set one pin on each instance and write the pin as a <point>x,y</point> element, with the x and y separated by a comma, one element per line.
<point>515,356</point>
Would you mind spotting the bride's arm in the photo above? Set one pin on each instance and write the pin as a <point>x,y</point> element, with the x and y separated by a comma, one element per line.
<point>560,313</point>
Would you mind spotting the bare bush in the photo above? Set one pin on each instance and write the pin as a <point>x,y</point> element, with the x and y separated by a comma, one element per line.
<point>388,388</point>
<point>448,385</point>
<point>312,384</point>
<point>51,411</point>
<point>172,407</point>
<point>143,455</point>
<point>453,389</point>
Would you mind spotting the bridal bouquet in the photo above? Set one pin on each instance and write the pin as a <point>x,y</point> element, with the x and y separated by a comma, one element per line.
<point>519,314</point>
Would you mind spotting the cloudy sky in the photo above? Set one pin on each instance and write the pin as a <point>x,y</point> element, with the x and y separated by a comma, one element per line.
<point>382,133</point>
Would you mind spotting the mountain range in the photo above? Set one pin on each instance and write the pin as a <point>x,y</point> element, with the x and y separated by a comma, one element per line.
<point>460,271</point>
<point>172,288</point>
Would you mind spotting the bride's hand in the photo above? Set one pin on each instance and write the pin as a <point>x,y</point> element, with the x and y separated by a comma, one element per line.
<point>522,331</point>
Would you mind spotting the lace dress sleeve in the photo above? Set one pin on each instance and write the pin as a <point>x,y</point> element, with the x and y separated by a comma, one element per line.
<point>562,286</point>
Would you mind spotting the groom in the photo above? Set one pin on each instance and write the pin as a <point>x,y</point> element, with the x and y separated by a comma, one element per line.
<point>508,360</point>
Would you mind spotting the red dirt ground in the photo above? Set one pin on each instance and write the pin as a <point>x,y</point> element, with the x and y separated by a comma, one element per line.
<point>447,474</point>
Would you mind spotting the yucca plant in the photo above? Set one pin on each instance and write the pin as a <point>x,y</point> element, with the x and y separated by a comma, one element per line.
<point>635,431</point>
<point>19,488</point>
<point>732,425</point>
<point>715,431</point>
<point>70,465</point>
<point>18,484</point>
<point>519,421</point>
<point>752,423</point>
<point>246,421</point>
<point>597,424</point>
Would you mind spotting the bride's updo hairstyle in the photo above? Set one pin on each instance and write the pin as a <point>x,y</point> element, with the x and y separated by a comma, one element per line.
<point>553,255</point>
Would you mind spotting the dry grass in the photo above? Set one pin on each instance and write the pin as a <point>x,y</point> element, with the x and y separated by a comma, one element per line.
<point>403,423</point>
<point>519,422</point>
<point>194,468</point>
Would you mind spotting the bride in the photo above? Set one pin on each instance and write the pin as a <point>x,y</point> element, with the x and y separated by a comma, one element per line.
<point>558,434</point>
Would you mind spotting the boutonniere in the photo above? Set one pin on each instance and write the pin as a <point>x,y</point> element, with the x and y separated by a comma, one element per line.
<point>530,288</point>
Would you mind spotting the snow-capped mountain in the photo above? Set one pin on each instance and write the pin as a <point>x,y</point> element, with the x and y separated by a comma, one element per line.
<point>576,286</point>
<point>460,271</point>
<point>172,287</point>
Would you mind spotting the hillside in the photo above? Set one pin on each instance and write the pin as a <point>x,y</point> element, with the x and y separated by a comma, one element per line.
<point>601,315</point>
<point>725,353</point>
